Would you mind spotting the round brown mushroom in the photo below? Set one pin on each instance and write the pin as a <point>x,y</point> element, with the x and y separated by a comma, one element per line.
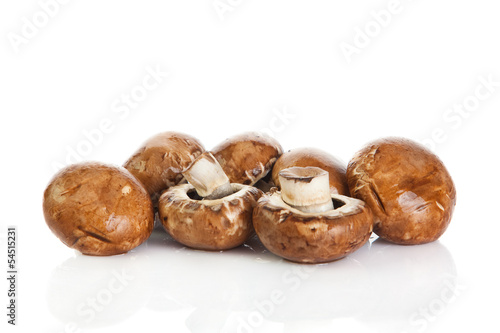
<point>98,209</point>
<point>305,157</point>
<point>209,213</point>
<point>306,223</point>
<point>248,157</point>
<point>158,163</point>
<point>408,188</point>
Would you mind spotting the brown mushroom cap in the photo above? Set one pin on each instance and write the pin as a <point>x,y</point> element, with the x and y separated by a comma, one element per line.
<point>219,224</point>
<point>407,187</point>
<point>98,209</point>
<point>247,157</point>
<point>312,237</point>
<point>304,157</point>
<point>161,159</point>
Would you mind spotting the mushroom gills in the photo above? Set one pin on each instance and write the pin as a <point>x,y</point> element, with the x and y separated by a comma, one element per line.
<point>306,189</point>
<point>208,178</point>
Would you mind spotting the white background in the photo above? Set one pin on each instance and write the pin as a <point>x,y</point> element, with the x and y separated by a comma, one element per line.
<point>235,71</point>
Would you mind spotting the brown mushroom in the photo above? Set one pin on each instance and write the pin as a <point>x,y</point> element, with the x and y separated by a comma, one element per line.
<point>408,188</point>
<point>158,163</point>
<point>98,209</point>
<point>246,158</point>
<point>304,157</point>
<point>209,213</point>
<point>306,223</point>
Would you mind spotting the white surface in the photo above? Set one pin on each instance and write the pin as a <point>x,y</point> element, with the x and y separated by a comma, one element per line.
<point>226,76</point>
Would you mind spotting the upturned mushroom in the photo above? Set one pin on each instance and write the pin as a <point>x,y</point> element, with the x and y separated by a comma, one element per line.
<point>306,223</point>
<point>209,213</point>
<point>313,157</point>
<point>248,157</point>
<point>158,163</point>
<point>408,188</point>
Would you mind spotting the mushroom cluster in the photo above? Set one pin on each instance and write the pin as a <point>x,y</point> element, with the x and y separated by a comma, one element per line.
<point>305,205</point>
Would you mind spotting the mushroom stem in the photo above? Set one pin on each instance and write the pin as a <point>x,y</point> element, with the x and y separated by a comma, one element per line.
<point>306,189</point>
<point>207,177</point>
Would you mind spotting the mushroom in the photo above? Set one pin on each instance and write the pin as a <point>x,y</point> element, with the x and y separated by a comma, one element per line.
<point>98,209</point>
<point>209,213</point>
<point>408,188</point>
<point>304,157</point>
<point>248,157</point>
<point>158,163</point>
<point>306,223</point>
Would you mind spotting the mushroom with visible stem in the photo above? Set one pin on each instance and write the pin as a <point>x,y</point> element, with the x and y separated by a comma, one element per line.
<point>208,178</point>
<point>306,189</point>
<point>313,157</point>
<point>306,223</point>
<point>209,213</point>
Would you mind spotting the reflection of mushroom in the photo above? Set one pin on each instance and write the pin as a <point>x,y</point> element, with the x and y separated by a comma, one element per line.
<point>209,213</point>
<point>159,162</point>
<point>98,209</point>
<point>409,190</point>
<point>98,292</point>
<point>304,157</point>
<point>231,281</point>
<point>299,223</point>
<point>248,157</point>
<point>409,283</point>
<point>330,292</point>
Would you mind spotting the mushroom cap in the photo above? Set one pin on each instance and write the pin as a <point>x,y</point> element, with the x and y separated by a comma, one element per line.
<point>312,237</point>
<point>408,188</point>
<point>158,163</point>
<point>98,209</point>
<point>247,157</point>
<point>304,157</point>
<point>219,224</point>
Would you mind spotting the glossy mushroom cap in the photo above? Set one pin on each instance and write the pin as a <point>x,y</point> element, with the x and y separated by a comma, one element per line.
<point>312,237</point>
<point>313,157</point>
<point>98,209</point>
<point>407,187</point>
<point>158,163</point>
<point>247,157</point>
<point>219,224</point>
